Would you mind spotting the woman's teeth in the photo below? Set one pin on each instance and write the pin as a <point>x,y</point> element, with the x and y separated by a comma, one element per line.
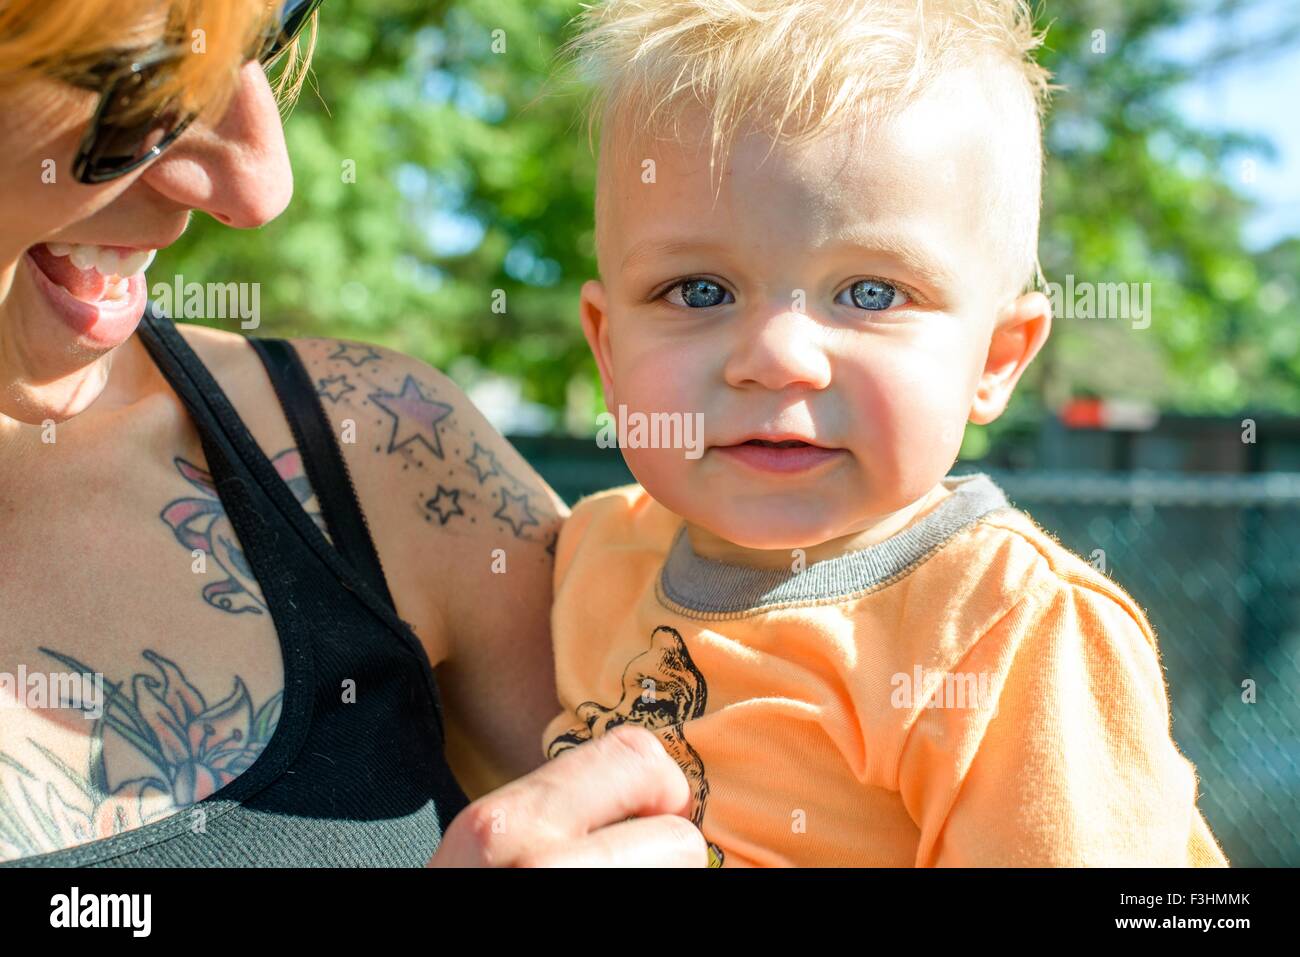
<point>119,291</point>
<point>108,262</point>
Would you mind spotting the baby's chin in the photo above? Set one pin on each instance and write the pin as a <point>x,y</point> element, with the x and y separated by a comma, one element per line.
<point>840,515</point>
<point>787,540</point>
<point>776,522</point>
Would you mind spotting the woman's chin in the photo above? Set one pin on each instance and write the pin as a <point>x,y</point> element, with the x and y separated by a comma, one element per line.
<point>58,374</point>
<point>52,402</point>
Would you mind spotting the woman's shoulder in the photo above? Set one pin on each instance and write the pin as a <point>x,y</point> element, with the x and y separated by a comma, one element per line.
<point>439,486</point>
<point>466,531</point>
<point>394,415</point>
<point>410,429</point>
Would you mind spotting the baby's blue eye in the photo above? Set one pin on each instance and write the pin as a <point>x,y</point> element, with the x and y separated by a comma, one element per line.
<point>873,294</point>
<point>698,293</point>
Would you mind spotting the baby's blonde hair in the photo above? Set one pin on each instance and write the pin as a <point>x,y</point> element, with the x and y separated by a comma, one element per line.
<point>796,68</point>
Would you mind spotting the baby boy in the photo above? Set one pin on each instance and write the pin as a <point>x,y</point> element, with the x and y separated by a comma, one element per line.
<point>816,227</point>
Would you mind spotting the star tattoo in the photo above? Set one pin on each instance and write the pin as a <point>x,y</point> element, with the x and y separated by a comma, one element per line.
<point>514,509</point>
<point>509,477</point>
<point>334,388</point>
<point>475,462</point>
<point>446,504</point>
<point>415,417</point>
<point>354,354</point>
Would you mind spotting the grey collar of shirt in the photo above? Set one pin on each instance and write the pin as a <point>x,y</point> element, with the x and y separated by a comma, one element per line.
<point>705,585</point>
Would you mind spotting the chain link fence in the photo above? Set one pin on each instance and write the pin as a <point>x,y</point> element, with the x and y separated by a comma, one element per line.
<point>1214,560</point>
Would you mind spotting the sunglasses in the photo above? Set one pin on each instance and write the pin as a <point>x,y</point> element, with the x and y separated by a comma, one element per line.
<point>115,144</point>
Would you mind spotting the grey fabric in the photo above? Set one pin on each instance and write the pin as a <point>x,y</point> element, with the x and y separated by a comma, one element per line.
<point>706,585</point>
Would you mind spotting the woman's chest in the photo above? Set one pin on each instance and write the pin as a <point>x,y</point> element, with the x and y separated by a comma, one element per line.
<point>140,669</point>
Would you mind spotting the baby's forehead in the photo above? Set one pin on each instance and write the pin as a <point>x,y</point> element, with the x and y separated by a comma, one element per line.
<point>955,158</point>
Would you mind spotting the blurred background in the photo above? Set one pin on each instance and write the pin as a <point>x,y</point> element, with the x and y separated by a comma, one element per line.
<point>1164,448</point>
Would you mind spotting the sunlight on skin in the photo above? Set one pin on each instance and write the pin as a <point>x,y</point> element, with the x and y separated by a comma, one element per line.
<point>891,388</point>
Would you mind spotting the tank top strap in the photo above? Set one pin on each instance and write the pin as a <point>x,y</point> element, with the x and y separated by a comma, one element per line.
<point>233,452</point>
<point>327,471</point>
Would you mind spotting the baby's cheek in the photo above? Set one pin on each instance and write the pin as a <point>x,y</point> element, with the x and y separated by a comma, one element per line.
<point>666,474</point>
<point>660,382</point>
<point>925,417</point>
<point>909,422</point>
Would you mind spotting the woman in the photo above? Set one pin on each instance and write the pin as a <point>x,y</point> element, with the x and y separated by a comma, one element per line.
<point>242,558</point>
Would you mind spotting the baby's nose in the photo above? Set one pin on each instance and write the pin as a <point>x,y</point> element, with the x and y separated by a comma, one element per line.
<point>780,350</point>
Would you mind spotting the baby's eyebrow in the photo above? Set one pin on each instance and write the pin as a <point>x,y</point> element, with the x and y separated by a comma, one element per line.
<point>649,248</point>
<point>916,257</point>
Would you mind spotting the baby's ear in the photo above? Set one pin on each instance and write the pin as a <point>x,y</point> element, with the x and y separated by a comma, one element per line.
<point>1020,331</point>
<point>595,326</point>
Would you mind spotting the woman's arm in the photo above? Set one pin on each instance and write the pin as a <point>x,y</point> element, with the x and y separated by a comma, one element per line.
<point>465,530</point>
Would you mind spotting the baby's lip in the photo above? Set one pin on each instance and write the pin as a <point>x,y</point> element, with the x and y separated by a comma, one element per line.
<point>779,439</point>
<point>788,456</point>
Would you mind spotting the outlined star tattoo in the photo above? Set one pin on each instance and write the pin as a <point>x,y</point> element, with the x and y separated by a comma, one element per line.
<point>501,469</point>
<point>439,504</point>
<point>354,354</point>
<point>334,388</point>
<point>514,509</point>
<point>474,462</point>
<point>415,417</point>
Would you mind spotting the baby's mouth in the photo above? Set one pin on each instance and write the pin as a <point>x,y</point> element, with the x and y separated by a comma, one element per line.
<point>786,444</point>
<point>779,456</point>
<point>93,274</point>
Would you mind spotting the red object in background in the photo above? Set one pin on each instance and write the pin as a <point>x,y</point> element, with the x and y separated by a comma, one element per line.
<point>1082,414</point>
<point>1123,415</point>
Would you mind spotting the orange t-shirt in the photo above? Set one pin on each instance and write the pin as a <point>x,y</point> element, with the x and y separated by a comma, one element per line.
<point>965,693</point>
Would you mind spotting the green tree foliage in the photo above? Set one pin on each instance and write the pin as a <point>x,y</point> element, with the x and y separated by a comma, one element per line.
<point>1134,194</point>
<point>443,207</point>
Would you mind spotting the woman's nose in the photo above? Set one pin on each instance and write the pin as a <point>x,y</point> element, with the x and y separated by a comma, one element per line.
<point>777,350</point>
<point>236,170</point>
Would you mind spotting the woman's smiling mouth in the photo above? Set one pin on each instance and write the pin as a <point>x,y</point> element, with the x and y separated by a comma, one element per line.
<point>99,292</point>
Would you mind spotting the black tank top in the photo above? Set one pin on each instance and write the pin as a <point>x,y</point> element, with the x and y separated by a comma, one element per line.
<point>339,784</point>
